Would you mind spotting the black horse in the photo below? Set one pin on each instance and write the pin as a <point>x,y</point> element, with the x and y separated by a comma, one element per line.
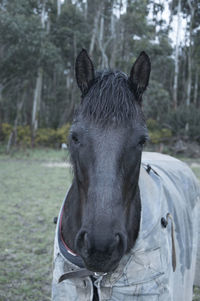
<point>105,143</point>
<point>100,221</point>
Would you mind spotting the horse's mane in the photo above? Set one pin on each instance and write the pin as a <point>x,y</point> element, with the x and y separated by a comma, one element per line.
<point>110,99</point>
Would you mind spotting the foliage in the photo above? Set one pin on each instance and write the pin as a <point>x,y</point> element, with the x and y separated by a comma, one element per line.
<point>51,137</point>
<point>152,124</point>
<point>158,134</point>
<point>156,101</point>
<point>44,136</point>
<point>62,133</point>
<point>35,36</point>
<point>24,136</point>
<point>185,121</point>
<point>162,135</point>
<point>6,129</point>
<point>22,37</point>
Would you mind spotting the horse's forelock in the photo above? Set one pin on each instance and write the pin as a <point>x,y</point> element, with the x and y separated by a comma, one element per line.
<point>110,100</point>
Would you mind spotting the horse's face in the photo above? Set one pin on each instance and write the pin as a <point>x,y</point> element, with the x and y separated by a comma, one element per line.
<point>106,156</point>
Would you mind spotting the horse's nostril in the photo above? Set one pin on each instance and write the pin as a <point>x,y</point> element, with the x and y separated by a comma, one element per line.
<point>82,243</point>
<point>86,242</point>
<point>90,247</point>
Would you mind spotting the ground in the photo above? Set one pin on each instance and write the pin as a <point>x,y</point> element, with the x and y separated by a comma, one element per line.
<point>32,187</point>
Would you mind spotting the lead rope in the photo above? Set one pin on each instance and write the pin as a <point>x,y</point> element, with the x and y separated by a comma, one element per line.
<point>169,216</point>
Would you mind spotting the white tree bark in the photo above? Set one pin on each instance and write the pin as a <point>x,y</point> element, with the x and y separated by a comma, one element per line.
<point>175,86</point>
<point>95,31</point>
<point>38,86</point>
<point>85,10</point>
<point>189,81</point>
<point>114,40</point>
<point>43,14</point>
<point>37,100</point>
<point>58,7</point>
<point>102,45</point>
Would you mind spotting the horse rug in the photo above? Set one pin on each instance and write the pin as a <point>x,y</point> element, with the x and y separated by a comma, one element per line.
<point>161,265</point>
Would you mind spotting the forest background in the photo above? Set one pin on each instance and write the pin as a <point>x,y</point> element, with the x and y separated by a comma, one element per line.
<point>39,42</point>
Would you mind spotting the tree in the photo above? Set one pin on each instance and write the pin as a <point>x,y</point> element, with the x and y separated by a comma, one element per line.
<point>39,42</point>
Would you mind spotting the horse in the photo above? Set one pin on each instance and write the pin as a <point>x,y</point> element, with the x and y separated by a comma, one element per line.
<point>127,229</point>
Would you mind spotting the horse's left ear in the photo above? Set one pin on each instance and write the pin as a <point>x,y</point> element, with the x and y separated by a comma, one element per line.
<point>84,71</point>
<point>139,76</point>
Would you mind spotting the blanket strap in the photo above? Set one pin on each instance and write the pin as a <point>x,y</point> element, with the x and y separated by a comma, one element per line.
<point>80,274</point>
<point>169,216</point>
<point>76,274</point>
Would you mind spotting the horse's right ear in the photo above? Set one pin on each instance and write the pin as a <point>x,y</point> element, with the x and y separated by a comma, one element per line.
<point>84,71</point>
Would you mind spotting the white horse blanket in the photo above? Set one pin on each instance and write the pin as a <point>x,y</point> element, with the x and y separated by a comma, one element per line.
<point>146,274</point>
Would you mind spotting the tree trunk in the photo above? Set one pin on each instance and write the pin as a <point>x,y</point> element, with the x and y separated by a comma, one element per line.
<point>196,87</point>
<point>189,81</point>
<point>94,33</point>
<point>13,135</point>
<point>1,90</point>
<point>36,102</point>
<point>170,19</point>
<point>175,87</point>
<point>85,10</point>
<point>71,92</point>
<point>104,58</point>
<point>58,7</point>
<point>114,40</point>
<point>38,87</point>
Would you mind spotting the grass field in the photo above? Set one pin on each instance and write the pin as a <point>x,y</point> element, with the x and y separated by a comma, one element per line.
<point>31,192</point>
<point>30,196</point>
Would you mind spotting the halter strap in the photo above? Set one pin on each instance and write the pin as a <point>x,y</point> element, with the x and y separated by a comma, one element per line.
<point>64,249</point>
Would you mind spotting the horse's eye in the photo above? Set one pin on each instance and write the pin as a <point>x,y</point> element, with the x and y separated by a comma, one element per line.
<point>142,142</point>
<point>75,139</point>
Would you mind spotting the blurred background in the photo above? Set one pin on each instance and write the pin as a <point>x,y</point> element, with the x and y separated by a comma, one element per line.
<point>40,39</point>
<point>39,42</point>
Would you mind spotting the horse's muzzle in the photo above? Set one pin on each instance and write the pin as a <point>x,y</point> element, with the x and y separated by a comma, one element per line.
<point>101,252</point>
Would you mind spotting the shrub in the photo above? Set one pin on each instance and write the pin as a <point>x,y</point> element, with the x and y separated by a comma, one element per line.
<point>157,133</point>
<point>51,137</point>
<point>44,136</point>
<point>24,135</point>
<point>152,124</point>
<point>162,135</point>
<point>156,101</point>
<point>6,130</point>
<point>185,121</point>
<point>63,132</point>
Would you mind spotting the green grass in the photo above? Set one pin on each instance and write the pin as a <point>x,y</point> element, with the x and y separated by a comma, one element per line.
<point>30,196</point>
<point>38,154</point>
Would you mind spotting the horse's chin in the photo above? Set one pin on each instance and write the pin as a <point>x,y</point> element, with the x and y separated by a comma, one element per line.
<point>101,267</point>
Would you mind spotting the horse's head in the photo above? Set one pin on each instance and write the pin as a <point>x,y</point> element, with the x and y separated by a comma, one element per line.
<point>105,142</point>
